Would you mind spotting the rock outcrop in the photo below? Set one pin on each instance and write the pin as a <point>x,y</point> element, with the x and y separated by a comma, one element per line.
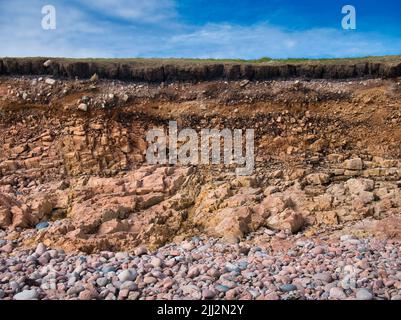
<point>327,157</point>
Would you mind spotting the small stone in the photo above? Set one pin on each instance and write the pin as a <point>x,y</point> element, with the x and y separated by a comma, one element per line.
<point>156,262</point>
<point>123,293</point>
<point>42,225</point>
<point>110,296</point>
<point>318,178</point>
<point>129,285</point>
<point>149,280</point>
<point>213,272</point>
<point>7,248</point>
<point>272,296</point>
<point>346,237</point>
<point>107,269</point>
<point>44,259</point>
<point>127,275</point>
<point>134,295</point>
<point>337,293</point>
<point>317,250</point>
<point>243,83</point>
<point>187,246</point>
<point>140,251</point>
<point>86,295</point>
<point>192,291</point>
<point>232,267</point>
<point>125,97</point>
<point>193,272</point>
<point>222,288</point>
<point>101,282</point>
<point>27,295</point>
<point>94,77</point>
<point>121,255</point>
<point>288,287</point>
<point>231,294</point>
<point>47,63</point>
<point>364,294</point>
<point>324,277</point>
<point>208,294</point>
<point>353,164</point>
<point>83,107</point>
<point>50,81</point>
<point>40,249</point>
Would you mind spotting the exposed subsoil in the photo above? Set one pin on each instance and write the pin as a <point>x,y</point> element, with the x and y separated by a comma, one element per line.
<point>321,206</point>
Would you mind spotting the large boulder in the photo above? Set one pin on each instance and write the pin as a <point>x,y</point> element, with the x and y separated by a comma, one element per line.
<point>288,220</point>
<point>13,213</point>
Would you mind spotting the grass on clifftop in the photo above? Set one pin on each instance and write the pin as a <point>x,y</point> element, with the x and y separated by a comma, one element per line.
<point>263,60</point>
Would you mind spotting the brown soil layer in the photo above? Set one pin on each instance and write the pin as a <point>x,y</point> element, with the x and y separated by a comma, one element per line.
<point>328,160</point>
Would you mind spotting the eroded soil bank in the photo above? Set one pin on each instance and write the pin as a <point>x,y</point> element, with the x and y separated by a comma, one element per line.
<point>73,177</point>
<point>164,70</point>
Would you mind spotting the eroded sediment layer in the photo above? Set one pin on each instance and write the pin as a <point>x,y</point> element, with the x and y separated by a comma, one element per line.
<point>73,176</point>
<point>159,70</point>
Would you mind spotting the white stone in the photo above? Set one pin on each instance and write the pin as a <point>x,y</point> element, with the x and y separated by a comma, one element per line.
<point>364,294</point>
<point>337,293</point>
<point>140,251</point>
<point>83,107</point>
<point>40,249</point>
<point>357,186</point>
<point>26,295</point>
<point>47,63</point>
<point>353,164</point>
<point>156,262</point>
<point>187,246</point>
<point>121,255</point>
<point>50,81</point>
<point>127,275</point>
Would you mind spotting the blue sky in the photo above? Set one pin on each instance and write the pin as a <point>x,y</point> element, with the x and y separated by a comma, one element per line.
<point>200,29</point>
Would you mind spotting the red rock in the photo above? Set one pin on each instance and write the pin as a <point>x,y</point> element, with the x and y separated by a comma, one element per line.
<point>112,226</point>
<point>288,220</point>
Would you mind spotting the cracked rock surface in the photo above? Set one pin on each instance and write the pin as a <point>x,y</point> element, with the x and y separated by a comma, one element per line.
<point>83,216</point>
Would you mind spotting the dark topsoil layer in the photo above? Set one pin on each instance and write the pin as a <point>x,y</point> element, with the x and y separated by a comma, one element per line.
<point>160,70</point>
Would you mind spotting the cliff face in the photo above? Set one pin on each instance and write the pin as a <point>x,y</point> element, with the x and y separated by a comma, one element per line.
<point>165,71</point>
<point>320,212</point>
<point>72,155</point>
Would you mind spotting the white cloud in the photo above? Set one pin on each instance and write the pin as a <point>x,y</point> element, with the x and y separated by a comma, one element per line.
<point>75,35</point>
<point>230,41</point>
<point>150,11</point>
<point>82,34</point>
<point>290,43</point>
